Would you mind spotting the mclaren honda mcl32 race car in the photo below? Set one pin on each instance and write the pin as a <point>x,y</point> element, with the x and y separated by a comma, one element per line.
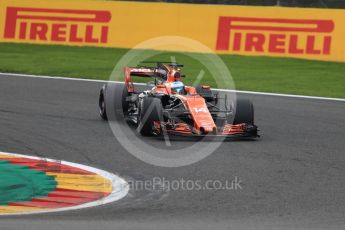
<point>170,107</point>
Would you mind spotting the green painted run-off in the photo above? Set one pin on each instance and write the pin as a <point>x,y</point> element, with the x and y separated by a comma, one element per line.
<point>19,183</point>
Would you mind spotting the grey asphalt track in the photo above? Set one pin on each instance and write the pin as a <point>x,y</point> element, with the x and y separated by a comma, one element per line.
<point>293,177</point>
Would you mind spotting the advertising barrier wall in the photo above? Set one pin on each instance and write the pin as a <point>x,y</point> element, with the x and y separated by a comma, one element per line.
<point>264,31</point>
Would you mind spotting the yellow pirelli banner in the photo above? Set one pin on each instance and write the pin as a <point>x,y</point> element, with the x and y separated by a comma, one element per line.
<point>269,31</point>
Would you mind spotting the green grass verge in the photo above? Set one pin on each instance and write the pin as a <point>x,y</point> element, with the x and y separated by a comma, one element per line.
<point>265,74</point>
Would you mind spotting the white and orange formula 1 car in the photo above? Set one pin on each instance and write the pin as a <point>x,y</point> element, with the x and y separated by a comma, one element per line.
<point>170,107</point>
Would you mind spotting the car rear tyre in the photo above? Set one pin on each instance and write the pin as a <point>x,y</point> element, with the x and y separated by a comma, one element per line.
<point>102,107</point>
<point>113,95</point>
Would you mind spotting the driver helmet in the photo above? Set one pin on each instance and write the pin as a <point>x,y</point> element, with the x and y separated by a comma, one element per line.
<point>177,87</point>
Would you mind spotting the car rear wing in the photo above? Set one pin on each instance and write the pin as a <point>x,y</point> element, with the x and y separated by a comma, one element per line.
<point>138,72</point>
<point>141,71</point>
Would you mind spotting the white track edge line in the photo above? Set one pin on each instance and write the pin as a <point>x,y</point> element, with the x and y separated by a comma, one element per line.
<point>221,90</point>
<point>120,187</point>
